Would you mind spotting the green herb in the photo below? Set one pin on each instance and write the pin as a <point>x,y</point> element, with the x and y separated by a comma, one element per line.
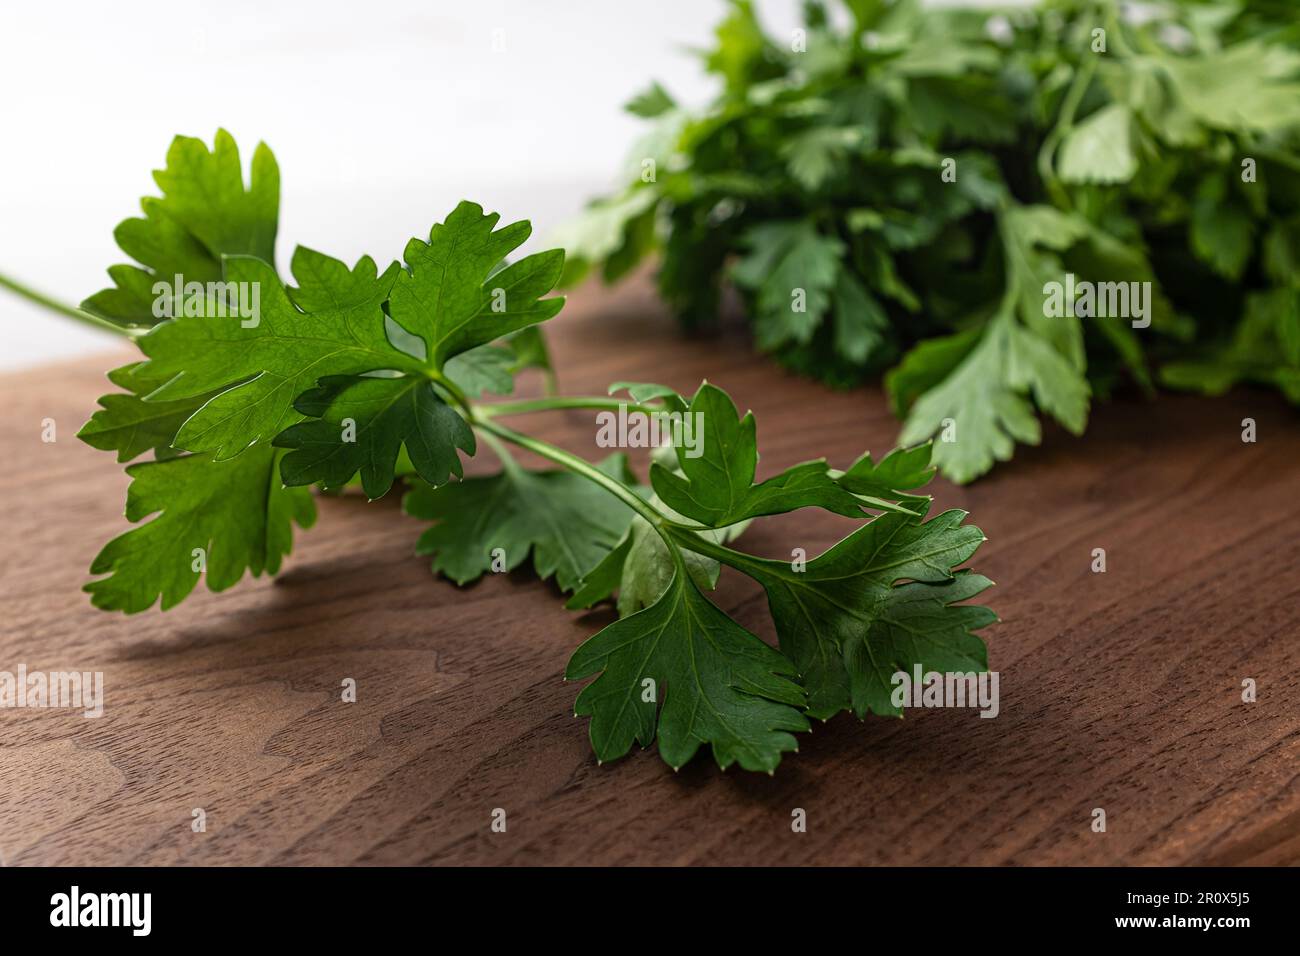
<point>894,188</point>
<point>359,376</point>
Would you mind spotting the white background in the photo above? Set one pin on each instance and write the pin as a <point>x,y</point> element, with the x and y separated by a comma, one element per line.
<point>382,115</point>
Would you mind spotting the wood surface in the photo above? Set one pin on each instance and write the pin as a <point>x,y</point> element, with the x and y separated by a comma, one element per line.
<point>1119,690</point>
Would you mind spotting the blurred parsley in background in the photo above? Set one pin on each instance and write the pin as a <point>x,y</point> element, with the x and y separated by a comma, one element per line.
<point>1115,142</point>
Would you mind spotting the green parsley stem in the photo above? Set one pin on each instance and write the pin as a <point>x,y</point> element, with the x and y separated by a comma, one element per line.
<point>1064,123</point>
<point>501,451</point>
<point>1115,34</point>
<point>688,539</point>
<point>675,535</point>
<point>527,406</point>
<point>452,389</point>
<point>67,311</point>
<point>573,463</point>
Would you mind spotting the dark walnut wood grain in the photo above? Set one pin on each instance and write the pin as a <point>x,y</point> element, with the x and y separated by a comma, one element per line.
<point>1119,690</point>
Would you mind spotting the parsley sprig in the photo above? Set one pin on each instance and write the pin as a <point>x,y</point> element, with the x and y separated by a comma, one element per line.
<point>353,376</point>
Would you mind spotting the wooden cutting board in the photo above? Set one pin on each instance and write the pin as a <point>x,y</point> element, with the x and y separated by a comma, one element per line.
<point>1120,691</point>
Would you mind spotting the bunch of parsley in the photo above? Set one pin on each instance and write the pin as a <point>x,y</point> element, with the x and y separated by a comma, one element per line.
<point>356,376</point>
<point>892,187</point>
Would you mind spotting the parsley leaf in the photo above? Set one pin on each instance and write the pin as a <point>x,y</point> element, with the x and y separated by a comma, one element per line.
<point>848,627</point>
<point>650,103</point>
<point>360,423</point>
<point>566,523</point>
<point>901,471</point>
<point>451,297</point>
<point>980,404</point>
<point>217,519</point>
<point>262,369</point>
<point>683,673</point>
<point>132,426</point>
<point>487,368</point>
<point>716,487</point>
<point>1100,149</point>
<point>1222,230</point>
<point>792,270</point>
<point>205,213</point>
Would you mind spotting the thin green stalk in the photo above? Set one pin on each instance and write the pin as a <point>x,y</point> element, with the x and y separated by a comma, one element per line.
<point>1115,34</point>
<point>452,389</point>
<point>501,451</point>
<point>686,537</point>
<point>675,534</point>
<point>577,465</point>
<point>1064,123</point>
<point>61,308</point>
<point>527,406</point>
